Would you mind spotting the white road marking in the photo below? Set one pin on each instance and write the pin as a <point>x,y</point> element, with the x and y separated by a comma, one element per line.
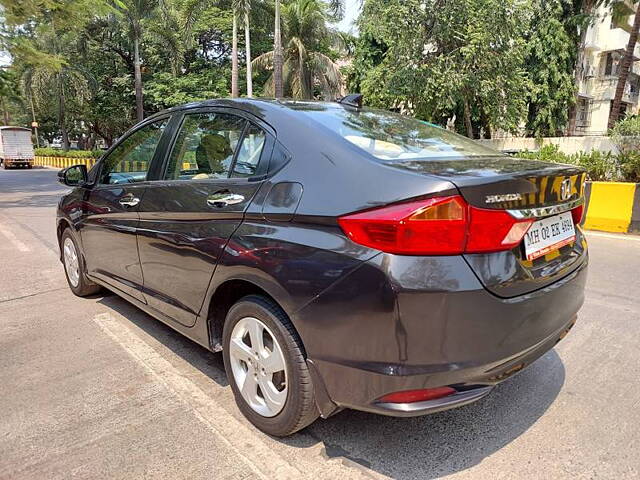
<point>13,239</point>
<point>264,462</point>
<point>622,236</point>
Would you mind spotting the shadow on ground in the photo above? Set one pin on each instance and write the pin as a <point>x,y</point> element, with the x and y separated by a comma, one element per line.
<point>422,447</point>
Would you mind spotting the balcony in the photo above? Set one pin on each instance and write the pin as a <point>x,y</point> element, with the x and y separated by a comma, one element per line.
<point>606,90</point>
<point>617,39</point>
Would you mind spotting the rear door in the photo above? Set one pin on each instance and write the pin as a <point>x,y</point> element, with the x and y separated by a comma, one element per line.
<point>210,175</point>
<point>110,210</point>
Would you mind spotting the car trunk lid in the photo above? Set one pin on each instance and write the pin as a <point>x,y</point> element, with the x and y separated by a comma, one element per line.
<point>527,189</point>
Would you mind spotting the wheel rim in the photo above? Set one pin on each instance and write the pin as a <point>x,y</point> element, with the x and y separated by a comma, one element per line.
<point>71,262</point>
<point>258,366</point>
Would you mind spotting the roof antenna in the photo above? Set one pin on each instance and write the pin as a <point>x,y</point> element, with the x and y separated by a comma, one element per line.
<point>352,100</point>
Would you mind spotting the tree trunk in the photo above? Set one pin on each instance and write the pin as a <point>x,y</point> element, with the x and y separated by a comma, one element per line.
<point>234,58</point>
<point>5,112</point>
<point>467,119</point>
<point>578,73</point>
<point>247,40</point>
<point>62,117</point>
<point>277,56</point>
<point>138,80</point>
<point>623,73</point>
<point>577,78</point>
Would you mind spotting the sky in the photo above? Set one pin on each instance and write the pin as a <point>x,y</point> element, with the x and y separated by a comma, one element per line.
<point>351,11</point>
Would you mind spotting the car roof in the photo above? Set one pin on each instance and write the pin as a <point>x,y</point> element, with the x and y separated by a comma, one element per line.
<point>261,107</point>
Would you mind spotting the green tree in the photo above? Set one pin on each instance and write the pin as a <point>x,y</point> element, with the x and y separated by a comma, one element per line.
<point>10,97</point>
<point>136,12</point>
<point>550,63</point>
<point>307,65</point>
<point>65,80</point>
<point>446,59</point>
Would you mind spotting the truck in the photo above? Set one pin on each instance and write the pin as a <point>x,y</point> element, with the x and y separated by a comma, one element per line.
<point>16,148</point>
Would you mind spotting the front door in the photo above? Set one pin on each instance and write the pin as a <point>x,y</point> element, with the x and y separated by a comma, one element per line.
<point>110,211</point>
<point>187,217</point>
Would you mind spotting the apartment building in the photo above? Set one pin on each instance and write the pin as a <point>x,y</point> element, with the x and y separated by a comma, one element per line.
<point>606,42</point>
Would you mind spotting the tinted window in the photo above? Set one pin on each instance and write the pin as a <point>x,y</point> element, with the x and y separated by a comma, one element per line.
<point>205,146</point>
<point>249,153</point>
<point>388,136</point>
<point>129,162</point>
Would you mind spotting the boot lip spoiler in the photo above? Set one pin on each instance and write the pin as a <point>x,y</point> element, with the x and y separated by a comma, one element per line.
<point>525,213</point>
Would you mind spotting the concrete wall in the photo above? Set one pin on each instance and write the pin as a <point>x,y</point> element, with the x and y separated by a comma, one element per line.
<point>567,145</point>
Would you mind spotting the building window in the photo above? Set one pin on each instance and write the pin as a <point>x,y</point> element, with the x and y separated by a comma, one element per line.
<point>612,63</point>
<point>583,112</point>
<point>623,109</point>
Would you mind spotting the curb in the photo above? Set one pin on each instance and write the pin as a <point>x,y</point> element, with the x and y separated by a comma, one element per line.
<point>612,207</point>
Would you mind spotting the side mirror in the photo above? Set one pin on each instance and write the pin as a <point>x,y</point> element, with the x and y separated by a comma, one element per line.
<point>73,176</point>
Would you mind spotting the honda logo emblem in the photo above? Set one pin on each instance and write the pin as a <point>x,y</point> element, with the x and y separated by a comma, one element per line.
<point>565,189</point>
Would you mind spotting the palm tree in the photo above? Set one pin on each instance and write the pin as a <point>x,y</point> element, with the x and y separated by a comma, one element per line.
<point>336,7</point>
<point>65,81</point>
<point>304,67</point>
<point>234,57</point>
<point>277,55</point>
<point>135,12</point>
<point>244,7</point>
<point>625,67</point>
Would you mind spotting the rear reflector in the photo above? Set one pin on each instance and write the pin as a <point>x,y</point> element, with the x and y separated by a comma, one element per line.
<point>577,214</point>
<point>412,396</point>
<point>435,226</point>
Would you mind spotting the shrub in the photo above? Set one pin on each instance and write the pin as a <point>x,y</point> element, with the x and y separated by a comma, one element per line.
<point>629,163</point>
<point>54,152</point>
<point>626,135</point>
<point>600,166</point>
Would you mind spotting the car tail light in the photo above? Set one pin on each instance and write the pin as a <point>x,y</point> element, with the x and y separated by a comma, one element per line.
<point>412,396</point>
<point>577,214</point>
<point>435,226</point>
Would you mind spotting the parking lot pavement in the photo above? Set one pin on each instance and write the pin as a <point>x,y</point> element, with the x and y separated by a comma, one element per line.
<point>94,388</point>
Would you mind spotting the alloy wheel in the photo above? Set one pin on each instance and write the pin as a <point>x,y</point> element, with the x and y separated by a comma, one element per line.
<point>258,366</point>
<point>71,263</point>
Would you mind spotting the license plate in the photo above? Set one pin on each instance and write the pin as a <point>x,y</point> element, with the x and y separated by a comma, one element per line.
<point>549,234</point>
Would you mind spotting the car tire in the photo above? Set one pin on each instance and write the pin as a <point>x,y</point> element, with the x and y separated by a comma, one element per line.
<point>74,270</point>
<point>298,409</point>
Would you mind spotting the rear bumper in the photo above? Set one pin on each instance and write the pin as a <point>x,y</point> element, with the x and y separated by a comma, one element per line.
<point>16,161</point>
<point>432,406</point>
<point>404,323</point>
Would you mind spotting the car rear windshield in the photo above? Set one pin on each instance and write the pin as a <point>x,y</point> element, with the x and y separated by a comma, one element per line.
<point>393,137</point>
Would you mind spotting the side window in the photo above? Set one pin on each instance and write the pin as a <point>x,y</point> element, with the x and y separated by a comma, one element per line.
<point>205,146</point>
<point>249,153</point>
<point>129,162</point>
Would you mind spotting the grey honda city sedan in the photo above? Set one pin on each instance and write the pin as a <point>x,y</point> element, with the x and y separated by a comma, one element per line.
<point>338,256</point>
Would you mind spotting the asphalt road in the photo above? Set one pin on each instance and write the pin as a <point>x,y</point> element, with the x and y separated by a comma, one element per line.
<point>94,388</point>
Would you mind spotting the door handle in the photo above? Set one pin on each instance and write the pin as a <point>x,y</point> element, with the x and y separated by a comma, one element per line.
<point>221,200</point>
<point>129,201</point>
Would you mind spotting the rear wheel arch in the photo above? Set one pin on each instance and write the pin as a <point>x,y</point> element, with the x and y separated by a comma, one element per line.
<point>63,224</point>
<point>227,294</point>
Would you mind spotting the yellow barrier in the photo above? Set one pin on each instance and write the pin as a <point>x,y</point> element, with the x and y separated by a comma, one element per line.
<point>63,162</point>
<point>610,206</point>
